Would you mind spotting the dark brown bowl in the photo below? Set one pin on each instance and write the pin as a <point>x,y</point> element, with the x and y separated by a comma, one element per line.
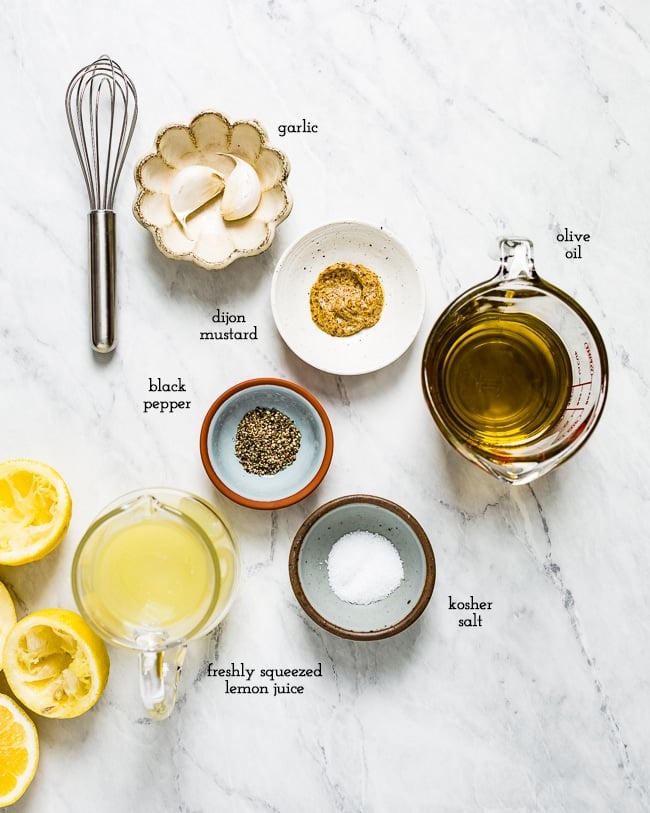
<point>308,567</point>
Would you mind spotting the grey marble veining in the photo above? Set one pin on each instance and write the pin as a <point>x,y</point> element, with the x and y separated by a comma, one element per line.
<point>448,124</point>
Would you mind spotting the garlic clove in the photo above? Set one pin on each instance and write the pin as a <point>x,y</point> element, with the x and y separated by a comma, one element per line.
<point>223,163</point>
<point>242,193</point>
<point>192,188</point>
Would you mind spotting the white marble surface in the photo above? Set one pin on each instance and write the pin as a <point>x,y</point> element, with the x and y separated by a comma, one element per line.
<point>447,123</point>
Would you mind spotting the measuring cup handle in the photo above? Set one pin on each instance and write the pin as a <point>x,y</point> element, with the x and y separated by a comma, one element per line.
<point>160,673</point>
<point>517,259</point>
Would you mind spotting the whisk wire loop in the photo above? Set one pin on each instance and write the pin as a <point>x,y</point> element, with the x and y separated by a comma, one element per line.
<point>101,107</point>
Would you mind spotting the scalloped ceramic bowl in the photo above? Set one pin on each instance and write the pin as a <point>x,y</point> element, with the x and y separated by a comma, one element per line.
<point>207,239</point>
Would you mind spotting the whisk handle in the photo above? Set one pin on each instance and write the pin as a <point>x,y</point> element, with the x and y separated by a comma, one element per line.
<point>102,279</point>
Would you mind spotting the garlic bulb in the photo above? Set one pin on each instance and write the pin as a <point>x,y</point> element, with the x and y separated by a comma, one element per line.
<point>192,188</point>
<point>242,192</point>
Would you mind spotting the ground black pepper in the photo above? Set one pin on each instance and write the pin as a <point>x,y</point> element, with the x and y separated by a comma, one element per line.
<point>266,441</point>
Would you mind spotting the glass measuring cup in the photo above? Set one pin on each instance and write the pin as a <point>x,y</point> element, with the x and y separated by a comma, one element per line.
<point>515,372</point>
<point>157,569</point>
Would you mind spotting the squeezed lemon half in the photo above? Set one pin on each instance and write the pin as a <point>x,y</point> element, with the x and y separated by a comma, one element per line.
<point>18,751</point>
<point>55,664</point>
<point>7,617</point>
<point>35,509</point>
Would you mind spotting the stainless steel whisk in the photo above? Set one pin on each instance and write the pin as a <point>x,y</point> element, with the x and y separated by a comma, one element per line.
<point>102,108</point>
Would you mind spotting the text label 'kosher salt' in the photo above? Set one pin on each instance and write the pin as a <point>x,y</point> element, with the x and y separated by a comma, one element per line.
<point>469,607</point>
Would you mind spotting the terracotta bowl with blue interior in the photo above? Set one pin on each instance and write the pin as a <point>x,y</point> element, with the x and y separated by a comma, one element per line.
<point>309,574</point>
<point>269,491</point>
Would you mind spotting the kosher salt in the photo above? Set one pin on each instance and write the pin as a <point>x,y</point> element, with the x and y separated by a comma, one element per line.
<point>364,567</point>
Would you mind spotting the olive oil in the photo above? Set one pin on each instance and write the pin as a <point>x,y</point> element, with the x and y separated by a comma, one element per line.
<point>500,380</point>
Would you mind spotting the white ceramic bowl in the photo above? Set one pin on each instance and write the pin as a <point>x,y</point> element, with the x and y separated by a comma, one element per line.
<point>211,241</point>
<point>358,243</point>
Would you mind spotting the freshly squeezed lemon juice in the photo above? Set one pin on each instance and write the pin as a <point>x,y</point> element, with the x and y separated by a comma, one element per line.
<point>151,576</point>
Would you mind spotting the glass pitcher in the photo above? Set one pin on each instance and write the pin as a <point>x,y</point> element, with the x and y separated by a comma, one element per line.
<point>157,569</point>
<point>515,372</point>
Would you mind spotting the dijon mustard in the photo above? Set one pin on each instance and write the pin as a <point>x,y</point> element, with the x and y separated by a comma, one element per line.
<point>345,299</point>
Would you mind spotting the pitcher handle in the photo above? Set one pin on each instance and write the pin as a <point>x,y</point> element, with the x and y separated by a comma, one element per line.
<point>517,259</point>
<point>160,673</point>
